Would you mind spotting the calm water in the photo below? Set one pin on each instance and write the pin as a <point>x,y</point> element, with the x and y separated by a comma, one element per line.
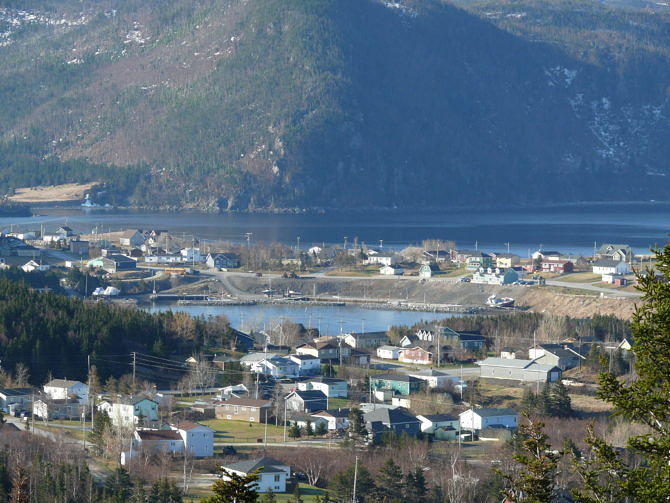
<point>326,318</point>
<point>568,229</point>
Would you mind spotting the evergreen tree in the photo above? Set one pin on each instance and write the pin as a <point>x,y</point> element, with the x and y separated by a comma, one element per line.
<point>118,486</point>
<point>415,486</point>
<point>321,429</point>
<point>294,431</point>
<point>101,424</point>
<point>561,404</point>
<point>544,401</point>
<point>533,481</point>
<point>309,430</point>
<point>644,400</point>
<point>529,402</point>
<point>357,424</point>
<point>341,485</point>
<point>296,495</point>
<point>237,489</point>
<point>138,495</point>
<point>390,482</point>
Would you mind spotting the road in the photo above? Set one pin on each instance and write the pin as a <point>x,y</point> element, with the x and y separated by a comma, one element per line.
<point>607,292</point>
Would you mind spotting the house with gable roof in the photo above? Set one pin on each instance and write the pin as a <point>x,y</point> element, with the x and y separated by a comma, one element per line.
<point>518,370</point>
<point>198,439</point>
<point>272,474</point>
<point>476,420</point>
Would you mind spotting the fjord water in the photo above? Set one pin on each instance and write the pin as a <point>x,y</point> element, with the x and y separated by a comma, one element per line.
<point>568,229</point>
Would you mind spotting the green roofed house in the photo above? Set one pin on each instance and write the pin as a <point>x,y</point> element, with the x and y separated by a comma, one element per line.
<point>273,474</point>
<point>400,383</point>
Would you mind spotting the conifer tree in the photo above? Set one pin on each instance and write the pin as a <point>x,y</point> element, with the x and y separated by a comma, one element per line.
<point>237,489</point>
<point>390,483</point>
<point>646,401</point>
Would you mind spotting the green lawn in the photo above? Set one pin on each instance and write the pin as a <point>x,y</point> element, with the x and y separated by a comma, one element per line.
<point>338,403</point>
<point>579,277</point>
<point>308,494</point>
<point>242,431</point>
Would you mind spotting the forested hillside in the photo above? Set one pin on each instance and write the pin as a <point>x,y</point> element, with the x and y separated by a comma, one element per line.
<point>230,104</point>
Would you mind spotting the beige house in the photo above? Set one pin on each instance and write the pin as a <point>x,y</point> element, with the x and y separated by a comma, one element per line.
<point>244,409</point>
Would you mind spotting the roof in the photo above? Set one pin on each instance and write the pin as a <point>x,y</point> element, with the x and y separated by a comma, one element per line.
<point>118,258</point>
<point>16,391</point>
<point>188,425</point>
<point>257,357</point>
<point>333,413</point>
<point>367,335</point>
<point>439,418</point>
<point>492,412</point>
<point>388,348</point>
<point>304,357</point>
<point>248,402</point>
<point>431,373</point>
<point>396,377</point>
<point>391,416</point>
<point>267,465</point>
<point>327,380</point>
<point>128,233</point>
<point>61,383</point>
<point>310,395</point>
<point>158,435</point>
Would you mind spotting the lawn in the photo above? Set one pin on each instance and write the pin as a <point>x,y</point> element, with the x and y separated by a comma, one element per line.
<point>242,431</point>
<point>579,277</point>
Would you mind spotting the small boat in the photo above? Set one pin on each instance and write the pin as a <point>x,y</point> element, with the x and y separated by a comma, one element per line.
<point>494,301</point>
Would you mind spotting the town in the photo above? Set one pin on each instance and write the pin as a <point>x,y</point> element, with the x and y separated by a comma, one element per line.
<point>297,408</point>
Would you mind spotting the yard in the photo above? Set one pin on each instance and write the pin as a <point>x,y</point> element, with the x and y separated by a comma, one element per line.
<point>228,431</point>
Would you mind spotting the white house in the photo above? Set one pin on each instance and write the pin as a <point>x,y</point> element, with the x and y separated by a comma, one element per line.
<point>273,474</point>
<point>131,238</point>
<point>331,387</point>
<point>130,412</point>
<point>191,255</point>
<point>391,270</point>
<point>430,422</point>
<point>478,419</point>
<point>608,266</point>
<point>198,439</point>
<point>277,366</point>
<point>388,352</point>
<point>384,258</point>
<point>436,378</point>
<point>338,419</point>
<point>33,265</point>
<point>307,364</point>
<point>61,389</point>
<point>158,441</point>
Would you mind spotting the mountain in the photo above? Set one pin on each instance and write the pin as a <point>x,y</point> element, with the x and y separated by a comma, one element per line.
<point>237,104</point>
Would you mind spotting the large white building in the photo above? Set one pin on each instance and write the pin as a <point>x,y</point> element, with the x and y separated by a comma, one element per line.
<point>273,474</point>
<point>133,412</point>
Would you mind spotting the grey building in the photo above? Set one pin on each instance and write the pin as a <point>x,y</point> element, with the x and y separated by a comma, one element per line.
<point>518,370</point>
<point>560,355</point>
<point>116,263</point>
<point>307,401</point>
<point>397,420</point>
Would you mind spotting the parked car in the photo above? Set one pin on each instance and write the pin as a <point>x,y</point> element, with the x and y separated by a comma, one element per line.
<point>464,280</point>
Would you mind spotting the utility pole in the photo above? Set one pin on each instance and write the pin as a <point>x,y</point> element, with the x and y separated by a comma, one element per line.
<point>284,419</point>
<point>134,367</point>
<point>355,479</point>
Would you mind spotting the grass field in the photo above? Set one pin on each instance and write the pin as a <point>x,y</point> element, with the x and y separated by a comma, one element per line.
<point>579,277</point>
<point>242,431</point>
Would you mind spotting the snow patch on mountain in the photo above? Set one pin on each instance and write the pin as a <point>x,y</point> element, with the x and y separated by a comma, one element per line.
<point>13,20</point>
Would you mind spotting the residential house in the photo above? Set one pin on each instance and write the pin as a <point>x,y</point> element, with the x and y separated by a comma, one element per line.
<point>506,260</point>
<point>613,251</point>
<point>388,352</point>
<point>518,370</point>
<point>223,261</point>
<point>409,341</point>
<point>434,256</point>
<point>415,355</point>
<point>308,365</point>
<point>277,366</point>
<point>272,474</point>
<point>198,439</point>
<point>432,422</point>
<point>471,340</point>
<point>16,399</point>
<point>435,378</point>
<point>79,248</point>
<point>427,271</point>
<point>325,351</point>
<point>562,356</point>
<point>626,344</point>
<point>476,420</point>
<point>508,353</point>
<point>156,441</point>
<point>244,409</point>
<point>191,255</point>
<point>391,270</point>
<point>33,265</point>
<point>384,259</point>
<point>250,359</point>
<point>546,255</point>
<point>331,387</point>
<point>557,266</point>
<point>356,357</point>
<point>62,389</point>
<point>491,276</point>
<point>399,421</point>
<point>221,360</point>
<point>236,390</point>
<point>615,279</point>
<point>301,419</point>
<point>140,411</point>
<point>364,340</point>
<point>65,231</point>
<point>131,238</point>
<point>478,260</point>
<point>117,263</point>
<point>398,383</point>
<point>337,419</point>
<point>307,401</point>
<point>62,408</point>
<point>608,266</point>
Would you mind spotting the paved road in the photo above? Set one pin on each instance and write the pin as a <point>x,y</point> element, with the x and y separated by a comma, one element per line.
<point>607,292</point>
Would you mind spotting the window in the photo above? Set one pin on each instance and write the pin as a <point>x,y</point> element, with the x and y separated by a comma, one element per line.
<point>276,478</point>
<point>237,409</point>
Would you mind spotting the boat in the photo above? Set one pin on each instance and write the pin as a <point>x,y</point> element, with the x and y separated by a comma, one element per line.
<point>494,301</point>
